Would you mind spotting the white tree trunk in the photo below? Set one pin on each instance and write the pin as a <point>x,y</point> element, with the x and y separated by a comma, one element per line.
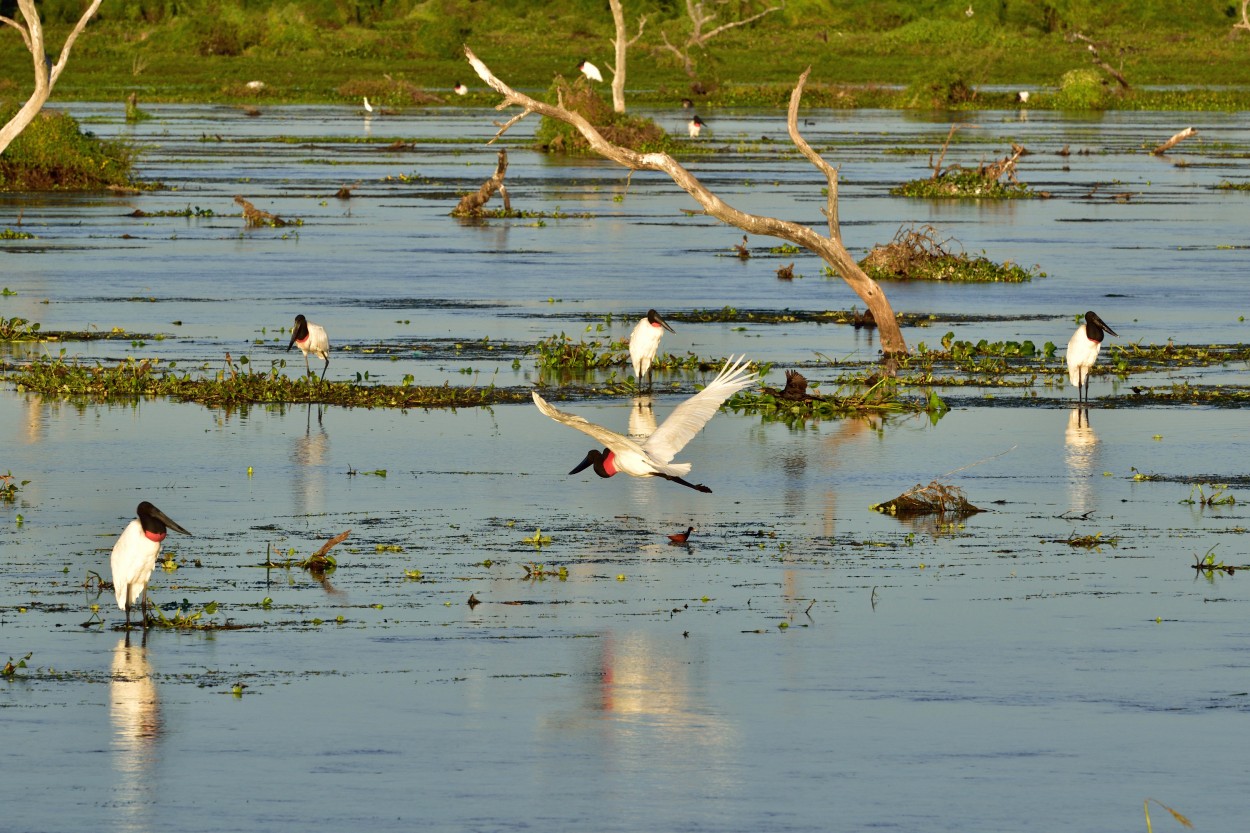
<point>46,73</point>
<point>829,248</point>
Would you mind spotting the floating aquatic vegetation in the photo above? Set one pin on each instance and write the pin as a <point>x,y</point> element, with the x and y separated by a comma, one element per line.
<point>1218,496</point>
<point>9,489</point>
<point>795,406</point>
<point>934,499</point>
<point>917,253</point>
<point>1089,542</point>
<point>10,668</point>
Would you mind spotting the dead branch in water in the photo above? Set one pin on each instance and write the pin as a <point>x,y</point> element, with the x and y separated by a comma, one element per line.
<point>471,204</point>
<point>1175,140</point>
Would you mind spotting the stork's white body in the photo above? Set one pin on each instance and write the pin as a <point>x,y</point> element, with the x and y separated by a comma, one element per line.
<point>132,563</point>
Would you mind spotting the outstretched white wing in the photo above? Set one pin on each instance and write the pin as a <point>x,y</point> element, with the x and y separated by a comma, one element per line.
<point>610,439</point>
<point>691,415</point>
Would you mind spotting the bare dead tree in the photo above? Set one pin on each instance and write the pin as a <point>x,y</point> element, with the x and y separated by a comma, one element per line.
<point>46,72</point>
<point>471,204</point>
<point>830,248</point>
<point>1094,56</point>
<point>697,39</point>
<point>622,42</point>
<point>1244,23</point>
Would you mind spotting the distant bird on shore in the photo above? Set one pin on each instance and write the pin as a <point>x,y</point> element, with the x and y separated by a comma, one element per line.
<point>653,457</point>
<point>134,557</point>
<point>368,106</point>
<point>679,539</point>
<point>694,127</point>
<point>644,343</point>
<point>968,12</point>
<point>1083,351</point>
<point>310,338</point>
<point>590,71</point>
<point>686,104</point>
<point>460,89</point>
<point>1023,97</point>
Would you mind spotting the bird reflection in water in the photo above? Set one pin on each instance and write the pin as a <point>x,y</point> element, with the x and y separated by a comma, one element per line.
<point>135,711</point>
<point>642,417</point>
<point>1081,457</point>
<point>309,452</point>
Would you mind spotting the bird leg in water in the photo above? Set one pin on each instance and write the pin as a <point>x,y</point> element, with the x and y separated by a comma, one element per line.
<point>699,487</point>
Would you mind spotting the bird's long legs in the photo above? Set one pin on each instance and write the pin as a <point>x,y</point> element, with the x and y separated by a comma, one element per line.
<point>698,487</point>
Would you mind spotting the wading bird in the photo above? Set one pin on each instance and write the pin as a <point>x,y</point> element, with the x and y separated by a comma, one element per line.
<point>679,539</point>
<point>134,557</point>
<point>644,341</point>
<point>460,89</point>
<point>1083,351</point>
<point>368,106</point>
<point>590,71</point>
<point>310,338</point>
<point>694,127</point>
<point>653,457</point>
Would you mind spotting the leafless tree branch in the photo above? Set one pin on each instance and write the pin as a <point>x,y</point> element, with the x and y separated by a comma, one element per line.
<point>830,172</point>
<point>829,248</point>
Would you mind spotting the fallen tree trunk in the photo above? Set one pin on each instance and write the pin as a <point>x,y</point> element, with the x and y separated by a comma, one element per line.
<point>1175,140</point>
<point>471,204</point>
<point>829,248</point>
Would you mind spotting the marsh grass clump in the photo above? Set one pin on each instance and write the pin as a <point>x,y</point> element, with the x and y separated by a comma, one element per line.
<point>54,154</point>
<point>1083,89</point>
<point>918,253</point>
<point>963,184</point>
<point>633,132</point>
<point>1091,542</point>
<point>19,329</point>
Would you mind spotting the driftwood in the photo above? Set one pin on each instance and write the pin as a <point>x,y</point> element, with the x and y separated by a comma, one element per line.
<point>933,499</point>
<point>1175,140</point>
<point>829,248</point>
<point>254,216</point>
<point>471,204</point>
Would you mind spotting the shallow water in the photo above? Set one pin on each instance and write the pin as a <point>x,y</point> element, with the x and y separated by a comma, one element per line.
<point>978,676</point>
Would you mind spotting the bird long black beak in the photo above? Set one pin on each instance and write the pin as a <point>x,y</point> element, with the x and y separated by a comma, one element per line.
<point>1103,324</point>
<point>169,522</point>
<point>587,462</point>
<point>663,323</point>
<point>291,344</point>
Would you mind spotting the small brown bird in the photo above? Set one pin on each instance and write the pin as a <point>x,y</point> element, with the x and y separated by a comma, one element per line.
<point>681,538</point>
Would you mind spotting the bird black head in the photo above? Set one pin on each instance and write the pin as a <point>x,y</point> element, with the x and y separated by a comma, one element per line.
<point>654,318</point>
<point>598,459</point>
<point>155,521</point>
<point>299,332</point>
<point>1094,326</point>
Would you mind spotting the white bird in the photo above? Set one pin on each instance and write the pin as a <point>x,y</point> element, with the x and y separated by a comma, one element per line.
<point>310,338</point>
<point>694,127</point>
<point>1023,96</point>
<point>368,106</point>
<point>590,71</point>
<point>968,12</point>
<point>134,556</point>
<point>653,457</point>
<point>460,89</point>
<point>1083,351</point>
<point>644,341</point>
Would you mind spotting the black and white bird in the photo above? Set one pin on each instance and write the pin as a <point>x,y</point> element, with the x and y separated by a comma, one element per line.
<point>590,71</point>
<point>653,457</point>
<point>1083,351</point>
<point>694,127</point>
<point>310,338</point>
<point>460,89</point>
<point>134,556</point>
<point>644,343</point>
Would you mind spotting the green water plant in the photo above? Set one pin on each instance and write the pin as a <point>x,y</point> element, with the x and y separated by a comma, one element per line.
<point>8,488</point>
<point>10,669</point>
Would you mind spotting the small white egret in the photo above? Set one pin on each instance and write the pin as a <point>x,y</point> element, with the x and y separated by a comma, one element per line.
<point>368,106</point>
<point>968,12</point>
<point>694,127</point>
<point>134,556</point>
<point>1083,351</point>
<point>653,457</point>
<point>460,89</point>
<point>310,338</point>
<point>590,71</point>
<point>1023,97</point>
<point>644,341</point>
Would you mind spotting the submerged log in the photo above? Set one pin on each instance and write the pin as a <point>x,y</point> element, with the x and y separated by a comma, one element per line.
<point>1175,140</point>
<point>254,216</point>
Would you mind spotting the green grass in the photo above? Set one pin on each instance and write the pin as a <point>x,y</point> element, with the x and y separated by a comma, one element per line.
<point>338,50</point>
<point>54,153</point>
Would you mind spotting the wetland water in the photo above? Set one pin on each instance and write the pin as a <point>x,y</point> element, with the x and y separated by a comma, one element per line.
<point>983,676</point>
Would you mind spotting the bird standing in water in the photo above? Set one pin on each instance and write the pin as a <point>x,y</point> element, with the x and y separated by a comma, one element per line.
<point>134,556</point>
<point>653,457</point>
<point>644,342</point>
<point>679,539</point>
<point>460,89</point>
<point>310,338</point>
<point>1083,351</point>
<point>590,71</point>
<point>694,127</point>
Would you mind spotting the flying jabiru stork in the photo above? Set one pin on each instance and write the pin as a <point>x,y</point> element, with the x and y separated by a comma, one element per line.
<point>1083,351</point>
<point>134,556</point>
<point>644,341</point>
<point>310,338</point>
<point>653,457</point>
